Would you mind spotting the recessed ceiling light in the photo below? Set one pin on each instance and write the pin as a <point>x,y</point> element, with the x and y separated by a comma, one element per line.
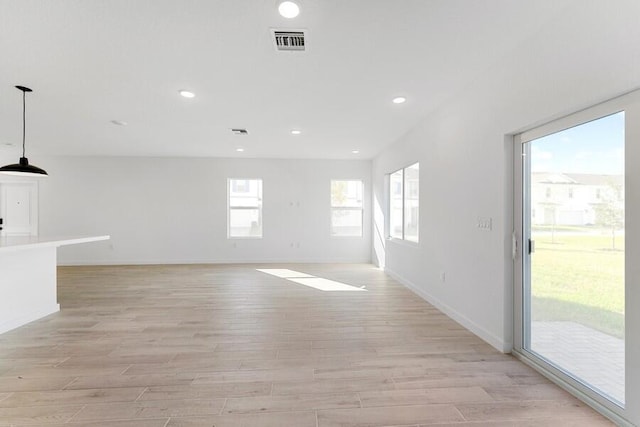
<point>399,100</point>
<point>288,9</point>
<point>296,132</point>
<point>355,151</point>
<point>119,122</point>
<point>239,150</point>
<point>187,94</point>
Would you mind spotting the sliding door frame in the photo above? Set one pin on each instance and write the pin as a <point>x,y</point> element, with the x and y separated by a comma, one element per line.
<point>630,103</point>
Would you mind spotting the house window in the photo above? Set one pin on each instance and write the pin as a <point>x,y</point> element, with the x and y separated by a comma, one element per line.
<point>245,208</point>
<point>346,208</point>
<point>404,203</point>
<point>240,186</point>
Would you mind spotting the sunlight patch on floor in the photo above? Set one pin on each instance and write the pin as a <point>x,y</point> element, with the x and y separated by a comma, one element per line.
<point>283,272</point>
<point>326,284</point>
<point>311,281</point>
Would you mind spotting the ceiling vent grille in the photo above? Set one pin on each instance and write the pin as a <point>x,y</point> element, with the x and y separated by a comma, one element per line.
<point>292,41</point>
<point>238,131</point>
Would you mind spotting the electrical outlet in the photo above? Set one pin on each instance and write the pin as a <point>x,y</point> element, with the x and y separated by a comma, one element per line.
<point>485,223</point>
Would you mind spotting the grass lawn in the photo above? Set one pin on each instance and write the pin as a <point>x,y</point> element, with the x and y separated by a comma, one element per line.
<point>579,278</point>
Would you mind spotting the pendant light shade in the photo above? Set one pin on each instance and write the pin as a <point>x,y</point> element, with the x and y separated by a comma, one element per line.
<point>23,168</point>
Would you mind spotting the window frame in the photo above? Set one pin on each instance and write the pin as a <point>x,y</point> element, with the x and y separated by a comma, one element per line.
<point>333,208</point>
<point>230,182</point>
<point>629,103</point>
<point>403,191</point>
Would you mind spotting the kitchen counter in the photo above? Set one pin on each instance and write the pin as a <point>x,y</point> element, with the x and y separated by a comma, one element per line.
<point>28,277</point>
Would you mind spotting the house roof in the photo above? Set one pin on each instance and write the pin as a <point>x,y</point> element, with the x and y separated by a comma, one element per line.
<point>576,178</point>
<point>596,179</point>
<point>551,178</point>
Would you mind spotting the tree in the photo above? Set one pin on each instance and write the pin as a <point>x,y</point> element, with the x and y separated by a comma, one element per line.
<point>338,193</point>
<point>610,210</point>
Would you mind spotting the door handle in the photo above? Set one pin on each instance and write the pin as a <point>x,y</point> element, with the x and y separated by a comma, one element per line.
<point>532,246</point>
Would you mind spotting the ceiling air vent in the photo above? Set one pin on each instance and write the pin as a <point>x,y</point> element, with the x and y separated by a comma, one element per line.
<point>240,131</point>
<point>289,40</point>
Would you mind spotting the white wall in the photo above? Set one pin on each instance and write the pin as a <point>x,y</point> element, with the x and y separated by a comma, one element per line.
<point>587,55</point>
<point>174,210</point>
<point>464,148</point>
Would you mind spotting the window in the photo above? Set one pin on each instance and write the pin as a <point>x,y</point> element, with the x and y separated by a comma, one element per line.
<point>240,186</point>
<point>245,208</point>
<point>411,202</point>
<point>404,203</point>
<point>395,204</point>
<point>346,208</point>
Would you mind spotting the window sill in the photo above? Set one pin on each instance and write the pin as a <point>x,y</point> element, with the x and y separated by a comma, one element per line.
<point>403,242</point>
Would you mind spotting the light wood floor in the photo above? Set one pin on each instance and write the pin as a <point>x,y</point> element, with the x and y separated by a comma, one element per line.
<point>229,346</point>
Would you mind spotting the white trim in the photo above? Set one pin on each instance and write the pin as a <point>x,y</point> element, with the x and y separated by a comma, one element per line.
<point>347,208</point>
<point>630,103</point>
<point>287,260</point>
<point>403,242</point>
<point>389,236</point>
<point>18,243</point>
<point>476,329</point>
<point>259,208</point>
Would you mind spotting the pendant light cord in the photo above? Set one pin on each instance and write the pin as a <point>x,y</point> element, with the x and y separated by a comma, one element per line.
<point>23,167</point>
<point>24,120</point>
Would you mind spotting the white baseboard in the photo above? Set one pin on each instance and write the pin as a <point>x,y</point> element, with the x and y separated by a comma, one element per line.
<point>70,263</point>
<point>476,329</point>
<point>7,325</point>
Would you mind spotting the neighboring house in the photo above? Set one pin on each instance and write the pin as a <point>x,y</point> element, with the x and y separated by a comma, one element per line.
<point>245,208</point>
<point>573,199</point>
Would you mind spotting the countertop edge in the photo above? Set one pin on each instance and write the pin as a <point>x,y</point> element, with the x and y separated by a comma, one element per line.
<point>17,243</point>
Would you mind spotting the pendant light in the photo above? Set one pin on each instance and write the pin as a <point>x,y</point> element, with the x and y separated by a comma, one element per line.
<point>23,168</point>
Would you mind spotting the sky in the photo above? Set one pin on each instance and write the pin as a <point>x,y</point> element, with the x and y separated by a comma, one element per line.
<point>595,147</point>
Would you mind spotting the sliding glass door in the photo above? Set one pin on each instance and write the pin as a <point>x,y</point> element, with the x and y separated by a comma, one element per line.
<point>575,242</point>
<point>572,240</point>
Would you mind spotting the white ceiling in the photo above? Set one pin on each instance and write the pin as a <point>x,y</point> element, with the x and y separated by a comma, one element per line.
<point>91,62</point>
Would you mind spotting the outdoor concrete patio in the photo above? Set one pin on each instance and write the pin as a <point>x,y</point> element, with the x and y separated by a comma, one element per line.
<point>592,356</point>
